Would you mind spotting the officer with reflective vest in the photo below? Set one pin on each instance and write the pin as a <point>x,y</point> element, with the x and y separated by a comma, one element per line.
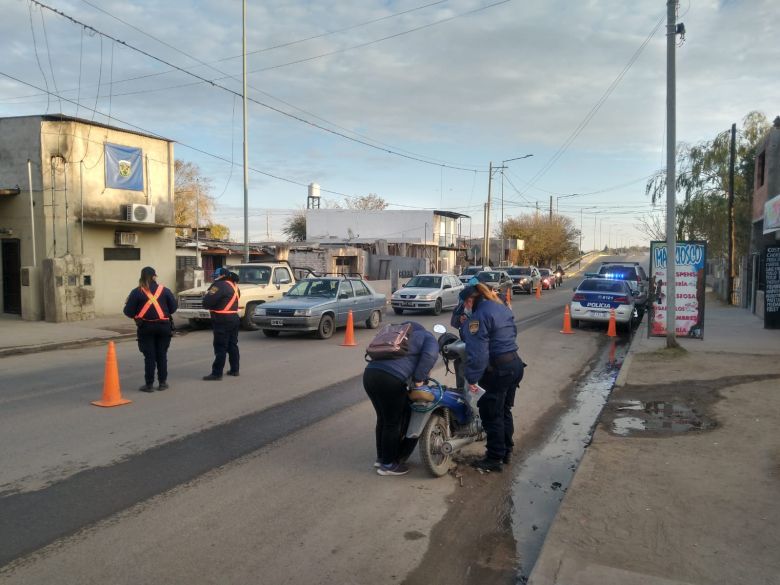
<point>151,306</point>
<point>222,301</point>
<point>489,331</point>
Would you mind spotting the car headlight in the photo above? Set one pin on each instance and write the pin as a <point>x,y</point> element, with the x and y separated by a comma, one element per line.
<point>523,280</point>
<point>429,297</point>
<point>259,312</point>
<point>302,313</point>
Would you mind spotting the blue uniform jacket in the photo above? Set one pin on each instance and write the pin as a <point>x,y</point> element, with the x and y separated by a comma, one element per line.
<point>217,298</point>
<point>137,299</point>
<point>488,333</point>
<point>418,362</point>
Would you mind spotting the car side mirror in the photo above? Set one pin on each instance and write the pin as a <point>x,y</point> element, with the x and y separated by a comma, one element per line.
<point>636,293</point>
<point>574,289</point>
<point>403,285</point>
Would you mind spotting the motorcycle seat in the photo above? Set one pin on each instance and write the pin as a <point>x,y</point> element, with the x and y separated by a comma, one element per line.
<point>418,395</point>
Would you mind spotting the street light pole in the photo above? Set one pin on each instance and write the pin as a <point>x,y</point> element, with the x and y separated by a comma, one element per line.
<point>246,154</point>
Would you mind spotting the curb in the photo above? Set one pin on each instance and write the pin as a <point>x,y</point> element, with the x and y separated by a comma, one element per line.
<point>74,344</point>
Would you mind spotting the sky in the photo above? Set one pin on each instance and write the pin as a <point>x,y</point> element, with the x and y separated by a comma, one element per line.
<point>408,99</point>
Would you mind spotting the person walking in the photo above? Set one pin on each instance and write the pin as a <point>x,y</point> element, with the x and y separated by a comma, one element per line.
<point>386,382</point>
<point>222,301</point>
<point>493,363</point>
<point>151,306</point>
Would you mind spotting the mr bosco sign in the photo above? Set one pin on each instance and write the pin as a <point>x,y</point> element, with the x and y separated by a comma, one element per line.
<point>690,259</point>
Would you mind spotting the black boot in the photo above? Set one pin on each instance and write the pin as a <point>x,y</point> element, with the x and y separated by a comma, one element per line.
<point>487,464</point>
<point>147,388</point>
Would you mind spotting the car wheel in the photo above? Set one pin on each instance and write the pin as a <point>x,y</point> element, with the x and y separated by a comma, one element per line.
<point>374,320</point>
<point>270,333</point>
<point>198,323</point>
<point>326,327</point>
<point>398,311</point>
<point>575,323</point>
<point>437,307</point>
<point>246,321</point>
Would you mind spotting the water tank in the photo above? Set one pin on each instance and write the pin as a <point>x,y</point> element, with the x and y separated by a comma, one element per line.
<point>314,190</point>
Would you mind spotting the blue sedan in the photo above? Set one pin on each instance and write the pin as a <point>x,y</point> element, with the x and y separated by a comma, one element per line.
<point>321,305</point>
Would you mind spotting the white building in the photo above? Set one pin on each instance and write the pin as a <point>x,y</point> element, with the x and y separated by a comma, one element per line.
<point>430,234</point>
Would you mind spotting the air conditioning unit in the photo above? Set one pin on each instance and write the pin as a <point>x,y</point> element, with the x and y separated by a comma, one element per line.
<point>125,238</point>
<point>138,213</point>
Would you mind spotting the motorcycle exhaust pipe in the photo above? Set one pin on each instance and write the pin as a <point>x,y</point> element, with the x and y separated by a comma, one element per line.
<point>449,447</point>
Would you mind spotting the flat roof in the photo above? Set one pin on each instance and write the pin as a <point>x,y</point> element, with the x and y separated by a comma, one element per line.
<point>66,118</point>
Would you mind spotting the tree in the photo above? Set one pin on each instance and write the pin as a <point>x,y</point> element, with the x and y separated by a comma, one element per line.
<point>219,231</point>
<point>190,187</point>
<point>295,227</point>
<point>370,202</point>
<point>703,181</point>
<point>652,225</point>
<point>547,241</point>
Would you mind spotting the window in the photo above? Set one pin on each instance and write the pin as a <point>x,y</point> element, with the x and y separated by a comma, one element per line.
<point>360,289</point>
<point>282,276</point>
<point>183,261</point>
<point>345,288</point>
<point>760,169</point>
<point>121,254</point>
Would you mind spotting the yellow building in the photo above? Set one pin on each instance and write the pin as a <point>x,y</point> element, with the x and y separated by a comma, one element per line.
<point>83,207</point>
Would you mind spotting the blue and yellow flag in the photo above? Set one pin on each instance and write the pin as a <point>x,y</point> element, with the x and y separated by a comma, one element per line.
<point>124,167</point>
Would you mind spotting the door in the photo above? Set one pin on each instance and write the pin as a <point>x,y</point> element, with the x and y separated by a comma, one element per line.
<point>345,302</point>
<point>12,284</point>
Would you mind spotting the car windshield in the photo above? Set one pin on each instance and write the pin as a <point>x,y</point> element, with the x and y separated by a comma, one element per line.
<point>470,271</point>
<point>519,271</point>
<point>601,285</point>
<point>488,276</point>
<point>252,274</point>
<point>544,272</point>
<point>425,282</point>
<point>315,287</point>
<point>618,272</point>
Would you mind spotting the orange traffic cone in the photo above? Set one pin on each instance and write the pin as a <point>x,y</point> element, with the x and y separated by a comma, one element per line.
<point>349,334</point>
<point>112,394</point>
<point>612,329</point>
<point>567,321</point>
<point>539,291</point>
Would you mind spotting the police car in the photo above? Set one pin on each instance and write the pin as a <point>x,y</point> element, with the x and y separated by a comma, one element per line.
<point>595,297</point>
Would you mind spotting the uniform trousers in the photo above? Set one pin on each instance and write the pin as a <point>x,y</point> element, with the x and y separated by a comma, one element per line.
<point>154,338</point>
<point>495,407</point>
<point>225,343</point>
<point>389,396</point>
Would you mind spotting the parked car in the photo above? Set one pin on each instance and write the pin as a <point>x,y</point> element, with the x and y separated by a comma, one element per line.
<point>427,292</point>
<point>548,278</point>
<point>498,280</point>
<point>321,305</point>
<point>595,297</point>
<point>524,278</point>
<point>629,271</point>
<point>470,272</point>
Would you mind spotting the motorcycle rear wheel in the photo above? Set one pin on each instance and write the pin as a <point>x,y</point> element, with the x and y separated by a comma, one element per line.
<point>435,433</point>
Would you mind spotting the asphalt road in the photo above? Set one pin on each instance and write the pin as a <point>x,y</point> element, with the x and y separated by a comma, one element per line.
<point>265,475</point>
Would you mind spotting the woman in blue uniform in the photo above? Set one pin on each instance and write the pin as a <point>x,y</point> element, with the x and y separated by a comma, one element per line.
<point>151,306</point>
<point>493,363</point>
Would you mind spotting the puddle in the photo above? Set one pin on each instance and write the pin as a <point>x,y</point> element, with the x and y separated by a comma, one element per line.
<point>541,482</point>
<point>658,417</point>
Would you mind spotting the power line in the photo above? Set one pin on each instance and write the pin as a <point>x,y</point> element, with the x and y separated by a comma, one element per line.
<point>213,83</point>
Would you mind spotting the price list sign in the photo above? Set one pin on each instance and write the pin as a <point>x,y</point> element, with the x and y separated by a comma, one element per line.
<point>772,292</point>
<point>690,260</point>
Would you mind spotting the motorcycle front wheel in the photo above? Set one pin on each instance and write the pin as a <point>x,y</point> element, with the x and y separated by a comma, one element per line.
<point>434,435</point>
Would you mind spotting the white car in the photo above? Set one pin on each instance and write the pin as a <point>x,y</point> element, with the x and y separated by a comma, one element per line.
<point>427,292</point>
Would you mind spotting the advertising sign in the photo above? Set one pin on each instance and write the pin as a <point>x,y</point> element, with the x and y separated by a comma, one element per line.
<point>690,260</point>
<point>772,215</point>
<point>124,167</point>
<point>772,292</point>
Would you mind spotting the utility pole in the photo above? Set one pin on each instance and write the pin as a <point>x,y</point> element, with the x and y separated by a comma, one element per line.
<point>486,243</point>
<point>246,146</point>
<point>732,262</point>
<point>550,207</point>
<point>197,223</point>
<point>671,190</point>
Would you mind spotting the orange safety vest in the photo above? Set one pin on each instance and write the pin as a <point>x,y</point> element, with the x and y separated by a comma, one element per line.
<point>234,299</point>
<point>152,301</point>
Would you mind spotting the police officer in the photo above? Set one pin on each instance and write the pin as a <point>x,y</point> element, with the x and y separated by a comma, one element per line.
<point>151,306</point>
<point>222,301</point>
<point>491,348</point>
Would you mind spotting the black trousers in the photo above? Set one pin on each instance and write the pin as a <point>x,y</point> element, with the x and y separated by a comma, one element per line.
<point>389,396</point>
<point>225,343</point>
<point>495,407</point>
<point>154,338</point>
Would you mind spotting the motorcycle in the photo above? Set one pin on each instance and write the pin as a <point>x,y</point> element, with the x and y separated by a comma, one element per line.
<point>445,419</point>
<point>558,278</point>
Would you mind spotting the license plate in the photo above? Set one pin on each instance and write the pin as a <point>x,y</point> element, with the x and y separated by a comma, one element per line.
<point>204,314</point>
<point>277,323</point>
<point>598,313</point>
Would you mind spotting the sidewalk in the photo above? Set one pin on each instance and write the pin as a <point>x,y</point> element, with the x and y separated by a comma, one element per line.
<point>20,337</point>
<point>681,483</point>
